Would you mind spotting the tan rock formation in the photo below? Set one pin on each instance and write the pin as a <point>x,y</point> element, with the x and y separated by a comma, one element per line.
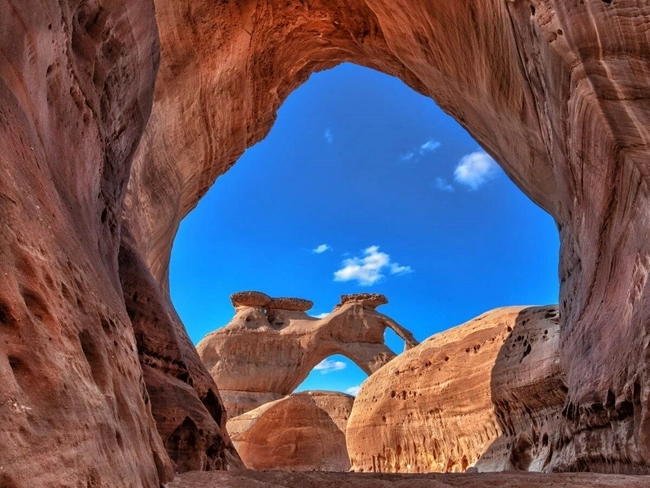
<point>264,354</point>
<point>556,91</point>
<point>487,393</point>
<point>300,432</point>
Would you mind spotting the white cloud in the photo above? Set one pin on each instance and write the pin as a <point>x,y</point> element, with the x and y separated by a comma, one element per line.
<point>327,366</point>
<point>321,315</point>
<point>475,169</point>
<point>400,270</point>
<point>414,154</point>
<point>353,390</point>
<point>368,269</point>
<point>443,185</point>
<point>329,137</point>
<point>429,146</point>
<point>321,249</point>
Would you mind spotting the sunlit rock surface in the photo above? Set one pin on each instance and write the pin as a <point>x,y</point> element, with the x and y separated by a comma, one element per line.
<point>301,432</point>
<point>265,352</point>
<point>487,393</point>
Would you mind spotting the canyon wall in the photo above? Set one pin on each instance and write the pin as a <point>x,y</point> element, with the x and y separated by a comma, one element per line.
<point>565,83</point>
<point>555,91</point>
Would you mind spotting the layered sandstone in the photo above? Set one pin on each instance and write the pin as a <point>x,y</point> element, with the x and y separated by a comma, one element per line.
<point>265,352</point>
<point>300,432</point>
<point>76,88</point>
<point>487,393</point>
<point>556,91</point>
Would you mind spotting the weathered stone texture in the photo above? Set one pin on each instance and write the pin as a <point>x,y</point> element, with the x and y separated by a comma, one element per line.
<point>300,432</point>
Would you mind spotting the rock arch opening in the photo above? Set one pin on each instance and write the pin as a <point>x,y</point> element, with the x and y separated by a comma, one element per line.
<point>565,84</point>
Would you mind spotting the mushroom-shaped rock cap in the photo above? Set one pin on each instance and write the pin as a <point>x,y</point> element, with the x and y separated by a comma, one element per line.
<point>250,299</point>
<point>372,300</point>
<point>294,304</point>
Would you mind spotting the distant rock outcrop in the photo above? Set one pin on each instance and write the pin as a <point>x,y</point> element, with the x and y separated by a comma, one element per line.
<point>300,432</point>
<point>271,345</point>
<point>487,393</point>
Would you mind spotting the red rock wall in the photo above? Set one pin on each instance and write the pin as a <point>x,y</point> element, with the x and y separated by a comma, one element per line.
<point>76,84</point>
<point>565,83</point>
<point>556,91</point>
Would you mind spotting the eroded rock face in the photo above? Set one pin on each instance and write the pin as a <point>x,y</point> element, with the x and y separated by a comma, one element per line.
<point>264,354</point>
<point>487,393</point>
<point>555,91</point>
<point>185,401</point>
<point>565,84</point>
<point>300,432</point>
<point>76,88</point>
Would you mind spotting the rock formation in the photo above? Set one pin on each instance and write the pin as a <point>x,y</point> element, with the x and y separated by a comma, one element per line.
<point>300,432</point>
<point>487,393</point>
<point>555,91</point>
<point>271,345</point>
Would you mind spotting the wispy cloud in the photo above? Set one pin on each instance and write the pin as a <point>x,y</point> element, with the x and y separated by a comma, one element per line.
<point>429,146</point>
<point>475,169</point>
<point>443,185</point>
<point>327,366</point>
<point>369,268</point>
<point>396,269</point>
<point>353,390</point>
<point>329,137</point>
<point>415,153</point>
<point>321,315</point>
<point>321,249</point>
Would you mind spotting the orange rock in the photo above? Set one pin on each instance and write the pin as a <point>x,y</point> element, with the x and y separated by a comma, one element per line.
<point>487,393</point>
<point>300,432</point>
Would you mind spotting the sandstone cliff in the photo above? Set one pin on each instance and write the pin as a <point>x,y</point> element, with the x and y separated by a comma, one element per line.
<point>300,432</point>
<point>271,345</point>
<point>556,91</point>
<point>487,393</point>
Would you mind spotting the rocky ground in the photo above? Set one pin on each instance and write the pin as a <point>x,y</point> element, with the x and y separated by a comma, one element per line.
<point>255,479</point>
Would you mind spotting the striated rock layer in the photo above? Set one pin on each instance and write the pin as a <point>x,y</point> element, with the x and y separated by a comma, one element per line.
<point>487,393</point>
<point>301,432</point>
<point>265,352</point>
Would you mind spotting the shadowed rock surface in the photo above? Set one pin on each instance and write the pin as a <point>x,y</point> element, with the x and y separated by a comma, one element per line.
<point>556,91</point>
<point>487,393</point>
<point>263,354</point>
<point>300,432</point>
<point>278,479</point>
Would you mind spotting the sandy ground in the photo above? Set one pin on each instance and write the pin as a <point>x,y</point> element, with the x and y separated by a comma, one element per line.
<point>258,479</point>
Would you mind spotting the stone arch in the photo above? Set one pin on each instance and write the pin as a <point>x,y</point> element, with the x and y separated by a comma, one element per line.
<point>557,94</point>
<point>551,103</point>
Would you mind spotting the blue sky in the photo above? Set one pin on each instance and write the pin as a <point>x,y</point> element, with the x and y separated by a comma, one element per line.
<point>364,185</point>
